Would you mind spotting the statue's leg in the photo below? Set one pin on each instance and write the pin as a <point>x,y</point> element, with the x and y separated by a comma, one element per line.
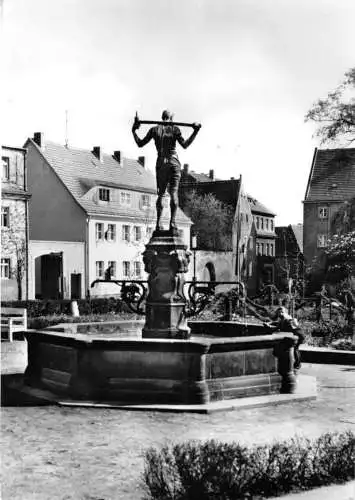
<point>162,182</point>
<point>174,193</point>
<point>159,205</point>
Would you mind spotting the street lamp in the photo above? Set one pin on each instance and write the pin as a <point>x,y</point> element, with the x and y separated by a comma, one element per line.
<point>194,248</point>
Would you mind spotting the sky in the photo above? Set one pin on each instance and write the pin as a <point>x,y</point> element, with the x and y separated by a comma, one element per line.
<point>247,70</point>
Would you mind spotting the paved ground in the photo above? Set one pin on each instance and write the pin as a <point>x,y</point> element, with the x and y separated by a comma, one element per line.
<point>80,453</point>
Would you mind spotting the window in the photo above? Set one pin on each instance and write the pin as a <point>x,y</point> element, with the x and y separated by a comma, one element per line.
<point>250,269</point>
<point>99,269</point>
<point>104,194</point>
<point>322,240</point>
<point>267,248</point>
<point>267,224</point>
<point>323,212</point>
<point>99,231</point>
<point>137,269</point>
<point>137,233</point>
<point>251,243</point>
<point>5,216</point>
<point>271,225</point>
<point>125,198</point>
<point>145,201</point>
<point>113,267</point>
<point>261,248</point>
<point>126,233</point>
<point>271,250</point>
<point>5,268</point>
<point>257,223</point>
<point>126,269</point>
<point>149,231</point>
<point>262,222</point>
<point>5,174</point>
<point>111,232</point>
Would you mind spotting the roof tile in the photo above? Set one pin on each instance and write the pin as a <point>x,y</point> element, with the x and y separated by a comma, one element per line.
<point>332,175</point>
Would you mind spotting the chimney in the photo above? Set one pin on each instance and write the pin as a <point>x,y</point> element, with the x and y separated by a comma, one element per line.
<point>211,174</point>
<point>232,178</point>
<point>117,156</point>
<point>141,160</point>
<point>186,168</point>
<point>97,152</point>
<point>38,138</point>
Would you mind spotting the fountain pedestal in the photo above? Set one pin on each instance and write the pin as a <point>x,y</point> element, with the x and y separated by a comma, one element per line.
<point>166,260</point>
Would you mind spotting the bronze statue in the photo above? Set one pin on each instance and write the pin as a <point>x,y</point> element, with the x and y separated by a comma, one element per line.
<point>168,169</point>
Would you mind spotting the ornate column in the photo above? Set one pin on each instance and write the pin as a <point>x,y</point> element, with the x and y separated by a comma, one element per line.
<point>166,259</point>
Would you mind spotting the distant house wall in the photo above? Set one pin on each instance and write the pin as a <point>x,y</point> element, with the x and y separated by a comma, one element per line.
<point>14,223</point>
<point>124,250</point>
<point>54,215</point>
<point>73,263</point>
<point>314,226</point>
<point>222,263</point>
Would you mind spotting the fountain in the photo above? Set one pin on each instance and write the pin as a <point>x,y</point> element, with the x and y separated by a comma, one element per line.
<point>163,361</point>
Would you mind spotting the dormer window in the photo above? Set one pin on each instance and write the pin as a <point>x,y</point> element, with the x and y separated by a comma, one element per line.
<point>125,198</point>
<point>145,201</point>
<point>5,174</point>
<point>104,194</point>
<point>323,212</point>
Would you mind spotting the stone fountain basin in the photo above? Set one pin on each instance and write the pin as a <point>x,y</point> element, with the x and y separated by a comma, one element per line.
<point>102,366</point>
<point>226,328</point>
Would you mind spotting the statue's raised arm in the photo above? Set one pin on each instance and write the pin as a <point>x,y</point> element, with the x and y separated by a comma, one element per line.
<point>166,133</point>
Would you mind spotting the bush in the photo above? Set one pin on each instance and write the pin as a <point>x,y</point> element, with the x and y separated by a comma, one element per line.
<point>226,471</point>
<point>44,321</point>
<point>37,308</point>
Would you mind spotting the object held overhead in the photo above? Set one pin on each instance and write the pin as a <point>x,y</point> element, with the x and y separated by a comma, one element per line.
<point>162,122</point>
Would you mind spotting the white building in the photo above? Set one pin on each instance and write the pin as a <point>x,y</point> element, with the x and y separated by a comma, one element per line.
<point>89,211</point>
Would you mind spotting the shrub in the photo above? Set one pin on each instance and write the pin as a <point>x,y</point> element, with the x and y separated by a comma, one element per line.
<point>226,471</point>
<point>37,308</point>
<point>44,321</point>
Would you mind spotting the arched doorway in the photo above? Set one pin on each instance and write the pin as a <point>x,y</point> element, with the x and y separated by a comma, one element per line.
<point>49,276</point>
<point>209,272</point>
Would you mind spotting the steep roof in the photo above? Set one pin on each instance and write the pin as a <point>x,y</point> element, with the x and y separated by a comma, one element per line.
<point>298,232</point>
<point>257,207</point>
<point>332,175</point>
<point>225,191</point>
<point>291,233</point>
<point>81,171</point>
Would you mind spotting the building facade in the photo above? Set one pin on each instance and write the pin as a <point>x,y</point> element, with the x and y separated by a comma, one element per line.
<point>14,224</point>
<point>289,260</point>
<point>91,215</point>
<point>264,237</point>
<point>252,227</point>
<point>331,182</point>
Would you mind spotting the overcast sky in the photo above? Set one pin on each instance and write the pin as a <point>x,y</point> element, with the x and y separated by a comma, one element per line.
<point>248,70</point>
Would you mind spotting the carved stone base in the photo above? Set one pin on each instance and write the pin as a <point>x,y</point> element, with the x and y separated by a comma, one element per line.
<point>166,260</point>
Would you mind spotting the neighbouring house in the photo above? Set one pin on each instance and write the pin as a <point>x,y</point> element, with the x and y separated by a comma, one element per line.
<point>251,257</point>
<point>14,224</point>
<point>91,214</point>
<point>264,236</point>
<point>289,260</point>
<point>331,182</point>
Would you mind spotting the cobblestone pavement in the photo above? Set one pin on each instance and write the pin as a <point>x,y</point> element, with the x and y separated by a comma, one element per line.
<point>80,453</point>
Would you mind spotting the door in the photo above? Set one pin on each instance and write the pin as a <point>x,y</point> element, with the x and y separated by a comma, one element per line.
<point>75,286</point>
<point>52,276</point>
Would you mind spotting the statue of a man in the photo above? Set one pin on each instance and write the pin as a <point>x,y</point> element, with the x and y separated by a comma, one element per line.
<point>168,168</point>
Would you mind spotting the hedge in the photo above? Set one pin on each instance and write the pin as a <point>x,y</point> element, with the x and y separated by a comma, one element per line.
<point>226,471</point>
<point>36,308</point>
